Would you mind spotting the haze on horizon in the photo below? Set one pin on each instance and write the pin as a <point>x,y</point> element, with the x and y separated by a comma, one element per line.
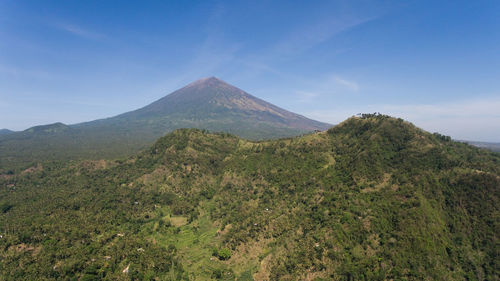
<point>436,64</point>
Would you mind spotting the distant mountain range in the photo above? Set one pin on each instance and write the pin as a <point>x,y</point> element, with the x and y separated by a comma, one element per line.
<point>5,132</point>
<point>208,103</point>
<point>493,146</point>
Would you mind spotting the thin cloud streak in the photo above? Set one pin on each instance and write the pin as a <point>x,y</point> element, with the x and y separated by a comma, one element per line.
<point>301,40</point>
<point>80,32</point>
<point>351,85</point>
<point>306,97</point>
<point>328,85</point>
<point>310,36</point>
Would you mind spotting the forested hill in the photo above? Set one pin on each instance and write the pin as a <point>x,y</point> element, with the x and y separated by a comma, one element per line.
<point>208,103</point>
<point>374,198</point>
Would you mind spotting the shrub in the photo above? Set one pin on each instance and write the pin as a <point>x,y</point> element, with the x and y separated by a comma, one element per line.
<point>222,254</point>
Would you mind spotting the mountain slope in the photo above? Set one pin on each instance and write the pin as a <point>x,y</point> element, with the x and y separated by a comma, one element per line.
<point>211,98</point>
<point>373,198</point>
<point>214,105</point>
<point>5,131</point>
<point>205,104</point>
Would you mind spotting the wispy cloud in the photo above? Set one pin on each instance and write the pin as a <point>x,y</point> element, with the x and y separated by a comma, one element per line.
<point>304,96</point>
<point>351,85</point>
<point>209,58</point>
<point>219,54</point>
<point>301,39</point>
<point>327,85</point>
<point>80,31</point>
<point>213,53</point>
<point>306,37</point>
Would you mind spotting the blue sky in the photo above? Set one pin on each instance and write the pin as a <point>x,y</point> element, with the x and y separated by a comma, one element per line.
<point>434,63</point>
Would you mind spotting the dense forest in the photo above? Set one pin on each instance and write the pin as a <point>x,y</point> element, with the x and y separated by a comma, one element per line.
<point>374,198</point>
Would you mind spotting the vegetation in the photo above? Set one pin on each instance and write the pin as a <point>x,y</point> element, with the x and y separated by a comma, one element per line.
<point>206,104</point>
<point>373,198</point>
<point>222,254</point>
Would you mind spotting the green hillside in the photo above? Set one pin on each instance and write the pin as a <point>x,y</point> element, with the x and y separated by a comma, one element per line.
<point>208,103</point>
<point>373,198</point>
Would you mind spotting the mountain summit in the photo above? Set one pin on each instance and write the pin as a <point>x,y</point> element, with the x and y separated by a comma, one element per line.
<point>208,103</point>
<point>208,93</point>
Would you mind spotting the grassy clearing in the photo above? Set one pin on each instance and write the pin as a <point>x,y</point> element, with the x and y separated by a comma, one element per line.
<point>195,242</point>
<point>178,221</point>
